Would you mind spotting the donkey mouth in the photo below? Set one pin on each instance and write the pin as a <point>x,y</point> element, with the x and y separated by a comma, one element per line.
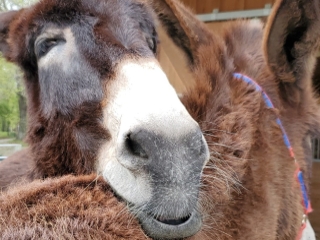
<point>161,228</point>
<point>173,222</point>
<point>167,228</point>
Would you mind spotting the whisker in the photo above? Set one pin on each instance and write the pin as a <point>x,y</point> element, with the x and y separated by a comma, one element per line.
<point>94,180</point>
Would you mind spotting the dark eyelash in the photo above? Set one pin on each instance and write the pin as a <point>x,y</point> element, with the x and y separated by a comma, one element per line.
<point>151,43</point>
<point>43,47</point>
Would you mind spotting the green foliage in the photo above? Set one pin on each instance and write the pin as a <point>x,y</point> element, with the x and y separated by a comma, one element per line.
<point>3,135</point>
<point>22,3</point>
<point>9,108</point>
<point>12,99</point>
<point>6,5</point>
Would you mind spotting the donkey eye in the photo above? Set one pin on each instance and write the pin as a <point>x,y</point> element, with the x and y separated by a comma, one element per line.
<point>152,44</point>
<point>44,46</point>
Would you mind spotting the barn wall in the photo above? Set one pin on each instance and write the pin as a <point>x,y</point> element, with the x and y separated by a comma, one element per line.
<point>173,63</point>
<point>206,6</point>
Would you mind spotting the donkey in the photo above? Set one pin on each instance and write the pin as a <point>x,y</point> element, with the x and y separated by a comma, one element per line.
<point>254,101</point>
<point>249,188</point>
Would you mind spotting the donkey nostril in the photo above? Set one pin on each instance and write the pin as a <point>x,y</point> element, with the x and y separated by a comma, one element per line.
<point>134,147</point>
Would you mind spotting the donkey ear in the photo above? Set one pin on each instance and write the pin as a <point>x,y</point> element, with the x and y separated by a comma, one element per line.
<point>5,20</point>
<point>187,32</point>
<point>291,42</point>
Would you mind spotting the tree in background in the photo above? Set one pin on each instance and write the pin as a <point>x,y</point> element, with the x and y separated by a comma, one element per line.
<point>13,108</point>
<point>6,5</point>
<point>9,107</point>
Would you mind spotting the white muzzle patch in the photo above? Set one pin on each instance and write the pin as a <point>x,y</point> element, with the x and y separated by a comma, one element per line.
<point>140,97</point>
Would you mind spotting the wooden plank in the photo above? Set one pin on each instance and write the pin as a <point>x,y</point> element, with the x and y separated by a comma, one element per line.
<point>181,76</point>
<point>232,5</point>
<point>207,6</point>
<point>256,4</point>
<point>171,72</point>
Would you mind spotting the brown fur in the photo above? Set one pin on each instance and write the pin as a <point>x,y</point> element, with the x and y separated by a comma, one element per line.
<point>49,209</point>
<point>249,190</point>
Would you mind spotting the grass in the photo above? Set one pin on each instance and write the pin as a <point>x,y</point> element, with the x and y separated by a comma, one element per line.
<point>11,139</point>
<point>16,141</point>
<point>4,135</point>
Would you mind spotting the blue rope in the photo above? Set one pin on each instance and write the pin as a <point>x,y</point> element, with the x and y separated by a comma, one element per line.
<point>286,141</point>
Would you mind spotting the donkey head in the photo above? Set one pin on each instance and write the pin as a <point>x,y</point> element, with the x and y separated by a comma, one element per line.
<point>99,101</point>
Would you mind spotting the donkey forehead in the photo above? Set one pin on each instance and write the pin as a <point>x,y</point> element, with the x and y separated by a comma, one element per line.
<point>114,14</point>
<point>122,24</point>
<point>58,9</point>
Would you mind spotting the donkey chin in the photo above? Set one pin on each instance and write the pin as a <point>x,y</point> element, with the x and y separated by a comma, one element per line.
<point>163,193</point>
<point>156,154</point>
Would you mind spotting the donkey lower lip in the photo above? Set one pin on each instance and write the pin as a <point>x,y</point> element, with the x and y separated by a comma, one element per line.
<point>171,228</point>
<point>173,221</point>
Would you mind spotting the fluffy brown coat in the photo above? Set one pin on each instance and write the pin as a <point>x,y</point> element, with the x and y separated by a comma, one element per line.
<point>71,207</point>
